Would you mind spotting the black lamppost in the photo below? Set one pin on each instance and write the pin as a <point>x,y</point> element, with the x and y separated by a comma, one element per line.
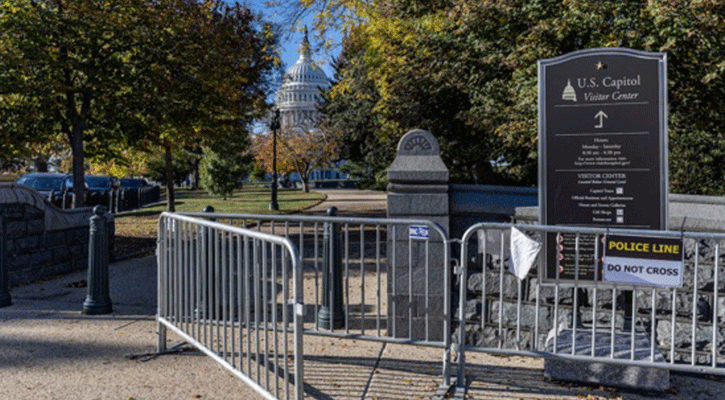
<point>274,126</point>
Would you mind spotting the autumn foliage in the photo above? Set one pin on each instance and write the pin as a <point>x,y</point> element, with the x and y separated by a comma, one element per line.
<point>298,150</point>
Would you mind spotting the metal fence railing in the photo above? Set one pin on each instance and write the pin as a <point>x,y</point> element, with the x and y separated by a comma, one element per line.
<point>245,288</point>
<point>236,295</point>
<point>675,328</point>
<point>383,280</point>
<point>116,199</point>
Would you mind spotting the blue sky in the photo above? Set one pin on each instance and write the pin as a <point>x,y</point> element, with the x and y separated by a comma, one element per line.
<point>290,43</point>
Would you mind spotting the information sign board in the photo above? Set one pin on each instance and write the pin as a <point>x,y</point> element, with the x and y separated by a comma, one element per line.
<point>602,148</point>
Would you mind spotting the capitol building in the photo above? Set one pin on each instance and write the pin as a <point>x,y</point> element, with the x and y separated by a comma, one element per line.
<point>297,100</point>
<point>299,94</point>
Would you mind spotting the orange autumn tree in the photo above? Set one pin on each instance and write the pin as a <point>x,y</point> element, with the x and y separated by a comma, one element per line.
<point>262,150</point>
<point>301,149</point>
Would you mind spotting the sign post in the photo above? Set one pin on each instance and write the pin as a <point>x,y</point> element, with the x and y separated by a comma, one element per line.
<point>602,149</point>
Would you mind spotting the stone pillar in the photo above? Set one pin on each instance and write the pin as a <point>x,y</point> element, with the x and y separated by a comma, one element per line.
<point>418,189</point>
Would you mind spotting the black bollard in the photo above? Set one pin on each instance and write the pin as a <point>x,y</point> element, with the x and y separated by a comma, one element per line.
<point>98,300</point>
<point>331,314</point>
<point>5,299</point>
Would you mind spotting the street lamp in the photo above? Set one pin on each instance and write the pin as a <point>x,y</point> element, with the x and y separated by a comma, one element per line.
<point>274,126</point>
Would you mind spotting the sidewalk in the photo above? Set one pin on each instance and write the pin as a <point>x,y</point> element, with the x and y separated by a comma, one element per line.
<point>352,203</point>
<point>49,350</point>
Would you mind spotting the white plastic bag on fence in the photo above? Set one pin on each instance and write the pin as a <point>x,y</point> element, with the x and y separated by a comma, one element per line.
<point>523,253</point>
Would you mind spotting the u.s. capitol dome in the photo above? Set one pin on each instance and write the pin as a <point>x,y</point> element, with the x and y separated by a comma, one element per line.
<point>300,91</point>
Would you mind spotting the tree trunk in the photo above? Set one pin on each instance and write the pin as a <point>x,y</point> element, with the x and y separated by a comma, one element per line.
<point>195,181</point>
<point>41,165</point>
<point>304,177</point>
<point>170,202</point>
<point>79,184</point>
<point>74,126</point>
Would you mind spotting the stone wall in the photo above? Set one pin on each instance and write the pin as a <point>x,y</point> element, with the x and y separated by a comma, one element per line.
<point>471,204</point>
<point>693,303</point>
<point>42,240</point>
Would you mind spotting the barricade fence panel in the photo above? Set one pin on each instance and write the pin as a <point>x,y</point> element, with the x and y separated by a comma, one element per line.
<point>236,295</point>
<point>375,271</point>
<point>382,280</point>
<point>566,309</point>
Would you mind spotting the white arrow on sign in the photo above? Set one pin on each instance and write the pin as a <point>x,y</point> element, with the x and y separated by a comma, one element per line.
<point>601,115</point>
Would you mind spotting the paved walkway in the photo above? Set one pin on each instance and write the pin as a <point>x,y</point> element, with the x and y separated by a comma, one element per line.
<point>354,203</point>
<point>49,350</point>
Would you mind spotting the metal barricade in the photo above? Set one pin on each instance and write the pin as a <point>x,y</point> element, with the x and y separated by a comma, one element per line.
<point>395,277</point>
<point>236,295</point>
<point>590,320</point>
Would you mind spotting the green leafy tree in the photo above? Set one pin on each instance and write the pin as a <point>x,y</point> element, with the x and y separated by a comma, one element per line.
<point>466,70</point>
<point>391,79</point>
<point>181,167</point>
<point>63,63</point>
<point>256,173</point>
<point>221,173</point>
<point>143,74</point>
<point>349,110</point>
<point>205,80</point>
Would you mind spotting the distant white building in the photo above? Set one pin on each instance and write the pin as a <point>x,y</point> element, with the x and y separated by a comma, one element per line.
<point>297,100</point>
<point>299,94</point>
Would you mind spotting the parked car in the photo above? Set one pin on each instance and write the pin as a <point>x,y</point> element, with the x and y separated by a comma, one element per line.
<point>101,183</point>
<point>133,183</point>
<point>99,188</point>
<point>53,186</point>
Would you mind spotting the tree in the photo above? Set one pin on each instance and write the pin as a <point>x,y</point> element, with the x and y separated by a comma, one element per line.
<point>181,167</point>
<point>301,149</point>
<point>687,31</point>
<point>390,81</point>
<point>308,148</point>
<point>63,63</point>
<point>205,80</point>
<point>352,123</point>
<point>328,15</point>
<point>129,163</point>
<point>466,70</point>
<point>137,73</point>
<point>220,173</point>
<point>263,149</point>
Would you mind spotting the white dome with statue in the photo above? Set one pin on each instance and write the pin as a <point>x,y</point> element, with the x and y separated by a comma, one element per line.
<point>300,91</point>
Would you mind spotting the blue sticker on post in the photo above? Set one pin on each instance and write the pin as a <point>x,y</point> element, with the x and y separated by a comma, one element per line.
<point>418,232</point>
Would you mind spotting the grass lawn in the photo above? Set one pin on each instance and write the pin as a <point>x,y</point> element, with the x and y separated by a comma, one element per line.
<point>253,199</point>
